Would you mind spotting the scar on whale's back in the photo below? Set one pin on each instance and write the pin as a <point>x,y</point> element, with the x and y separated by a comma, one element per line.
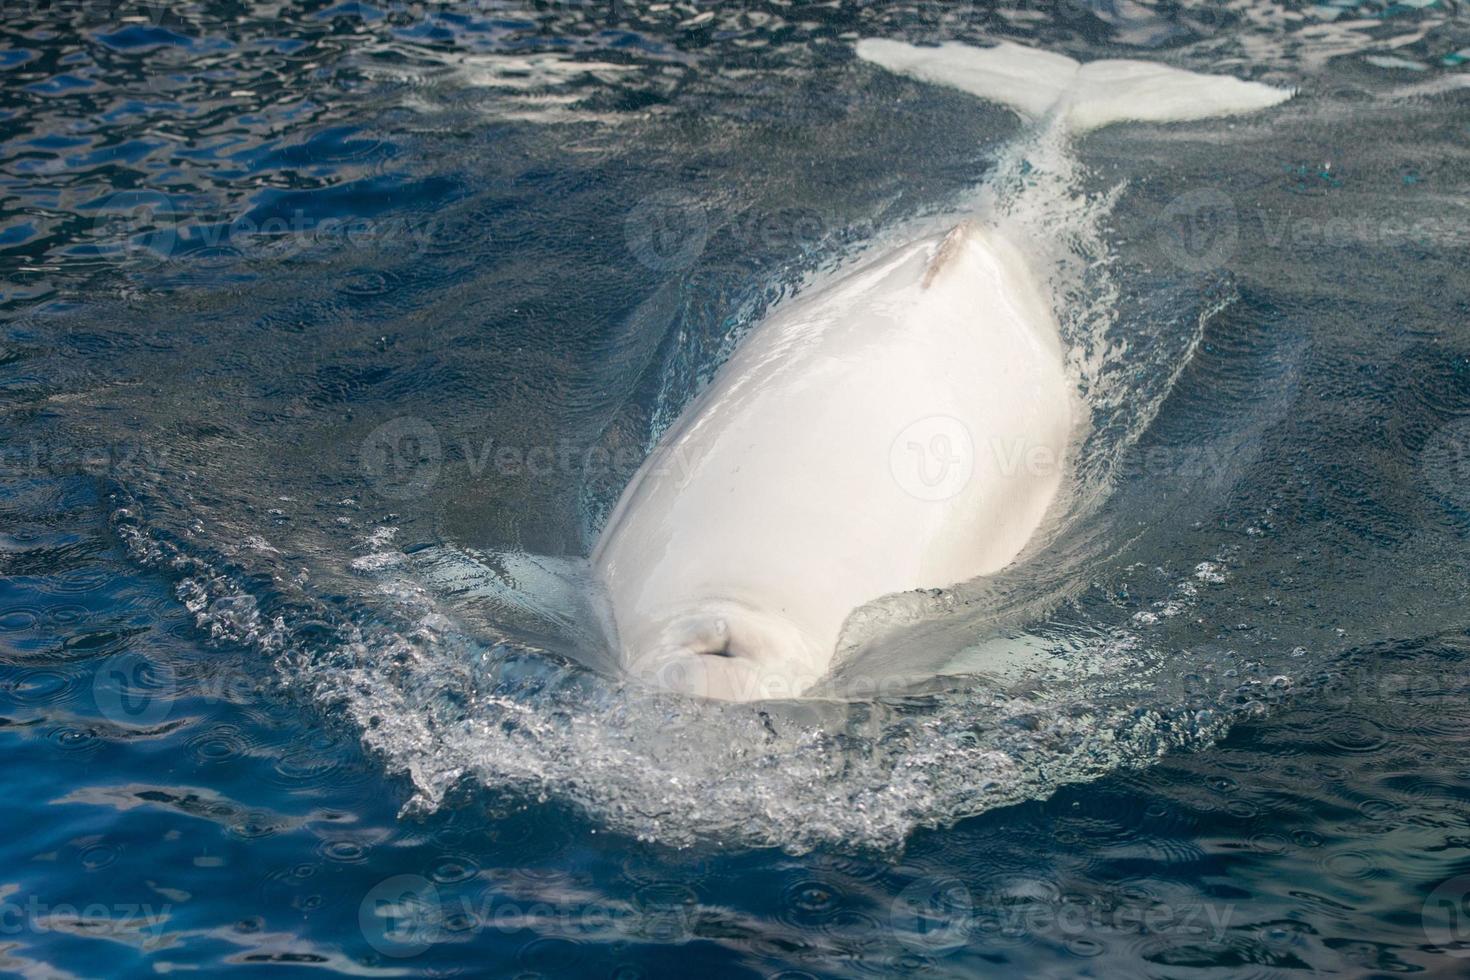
<point>946,251</point>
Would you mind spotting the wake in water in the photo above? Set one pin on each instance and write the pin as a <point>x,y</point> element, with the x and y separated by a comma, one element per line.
<point>297,280</point>
<point>484,669</point>
<point>1173,588</point>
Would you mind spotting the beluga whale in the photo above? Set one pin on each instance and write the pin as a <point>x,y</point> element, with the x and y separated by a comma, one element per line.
<point>904,425</point>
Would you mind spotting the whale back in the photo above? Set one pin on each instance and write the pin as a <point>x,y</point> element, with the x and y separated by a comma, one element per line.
<point>901,428</point>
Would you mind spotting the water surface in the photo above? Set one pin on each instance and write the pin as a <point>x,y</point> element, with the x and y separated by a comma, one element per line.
<point>316,318</point>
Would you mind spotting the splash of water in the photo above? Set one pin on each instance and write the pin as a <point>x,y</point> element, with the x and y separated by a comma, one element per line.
<point>453,707</point>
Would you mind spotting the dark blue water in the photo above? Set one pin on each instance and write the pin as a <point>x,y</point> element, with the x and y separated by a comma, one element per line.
<point>316,317</point>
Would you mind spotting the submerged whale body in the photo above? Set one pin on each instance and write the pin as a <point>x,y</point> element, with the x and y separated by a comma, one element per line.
<point>905,426</point>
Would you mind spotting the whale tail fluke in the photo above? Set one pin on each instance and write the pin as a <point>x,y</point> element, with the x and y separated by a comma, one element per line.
<point>1040,85</point>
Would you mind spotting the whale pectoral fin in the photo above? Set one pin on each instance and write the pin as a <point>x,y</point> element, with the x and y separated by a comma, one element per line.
<point>946,251</point>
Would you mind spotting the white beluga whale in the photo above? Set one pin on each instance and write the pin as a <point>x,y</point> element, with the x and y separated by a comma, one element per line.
<point>904,425</point>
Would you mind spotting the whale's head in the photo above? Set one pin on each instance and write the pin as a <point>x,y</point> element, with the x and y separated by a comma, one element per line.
<point>727,651</point>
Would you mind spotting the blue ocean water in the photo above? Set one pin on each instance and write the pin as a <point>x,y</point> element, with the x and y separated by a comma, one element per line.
<point>319,318</point>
